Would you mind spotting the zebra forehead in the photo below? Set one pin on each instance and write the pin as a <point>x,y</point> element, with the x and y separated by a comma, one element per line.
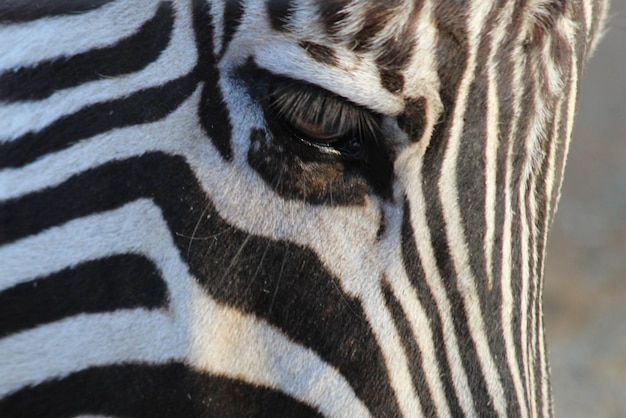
<point>398,44</point>
<point>400,37</point>
<point>389,27</point>
<point>384,29</point>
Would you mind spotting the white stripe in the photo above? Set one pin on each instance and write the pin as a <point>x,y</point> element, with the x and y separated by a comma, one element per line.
<point>507,296</point>
<point>549,185</point>
<point>182,135</point>
<point>448,194</point>
<point>420,327</point>
<point>493,139</point>
<point>545,373</point>
<point>53,350</point>
<point>218,8</point>
<point>27,43</point>
<point>571,97</point>
<point>76,343</point>
<point>588,15</point>
<point>536,281</point>
<point>551,170</point>
<point>525,276</point>
<point>212,337</point>
<point>117,144</point>
<point>571,111</point>
<point>388,339</point>
<point>226,342</point>
<point>176,60</point>
<point>532,145</point>
<point>550,72</point>
<point>535,270</point>
<point>357,79</point>
<point>567,30</point>
<point>412,179</point>
<point>491,166</point>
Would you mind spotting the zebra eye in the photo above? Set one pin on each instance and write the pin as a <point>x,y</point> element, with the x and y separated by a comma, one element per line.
<point>322,120</point>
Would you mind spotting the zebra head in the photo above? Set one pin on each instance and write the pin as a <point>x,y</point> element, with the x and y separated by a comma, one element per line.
<point>281,207</point>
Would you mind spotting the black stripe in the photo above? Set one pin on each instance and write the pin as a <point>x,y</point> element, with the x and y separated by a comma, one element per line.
<point>15,11</point>
<point>396,51</point>
<point>391,80</point>
<point>143,106</point>
<point>320,53</point>
<point>280,282</point>
<point>332,14</point>
<point>452,62</point>
<point>471,184</point>
<point>279,13</point>
<point>542,223</point>
<point>561,138</point>
<point>118,282</point>
<point>376,16</point>
<point>520,159</point>
<point>546,204</point>
<point>213,112</point>
<point>233,11</point>
<point>505,60</point>
<point>468,351</point>
<point>286,285</point>
<point>471,166</point>
<point>411,350</point>
<point>413,118</point>
<point>413,266</point>
<point>534,310</point>
<point>128,55</point>
<point>470,177</point>
<point>138,390</point>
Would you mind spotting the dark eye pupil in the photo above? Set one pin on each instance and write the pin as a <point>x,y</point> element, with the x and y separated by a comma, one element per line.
<point>351,148</point>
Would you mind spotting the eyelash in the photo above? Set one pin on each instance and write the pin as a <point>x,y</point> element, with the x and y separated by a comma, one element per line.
<point>322,120</point>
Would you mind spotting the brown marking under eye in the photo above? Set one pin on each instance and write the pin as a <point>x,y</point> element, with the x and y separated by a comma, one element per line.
<point>315,182</point>
<point>319,53</point>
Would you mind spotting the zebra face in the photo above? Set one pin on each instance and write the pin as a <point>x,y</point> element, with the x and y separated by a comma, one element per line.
<point>281,207</point>
<point>334,108</point>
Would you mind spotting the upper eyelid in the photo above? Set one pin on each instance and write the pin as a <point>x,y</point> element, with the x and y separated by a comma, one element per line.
<point>290,83</point>
<point>344,116</point>
<point>287,86</point>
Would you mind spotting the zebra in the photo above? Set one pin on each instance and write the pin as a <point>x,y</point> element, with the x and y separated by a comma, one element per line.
<point>282,207</point>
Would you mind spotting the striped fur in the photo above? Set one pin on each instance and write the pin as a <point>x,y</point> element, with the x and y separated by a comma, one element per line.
<point>169,248</point>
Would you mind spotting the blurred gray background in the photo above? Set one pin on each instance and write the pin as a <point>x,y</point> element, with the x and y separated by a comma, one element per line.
<point>585,282</point>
